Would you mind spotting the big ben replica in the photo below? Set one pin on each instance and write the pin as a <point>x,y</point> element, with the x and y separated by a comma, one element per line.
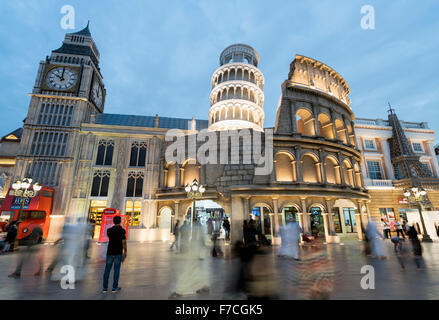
<point>67,91</point>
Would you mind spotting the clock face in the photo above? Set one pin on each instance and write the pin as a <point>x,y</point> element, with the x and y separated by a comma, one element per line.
<point>96,94</point>
<point>61,78</point>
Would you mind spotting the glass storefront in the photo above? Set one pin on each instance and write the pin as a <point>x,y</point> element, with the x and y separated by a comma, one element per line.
<point>264,222</point>
<point>95,213</point>
<point>317,226</point>
<point>349,220</point>
<point>133,209</point>
<point>290,214</point>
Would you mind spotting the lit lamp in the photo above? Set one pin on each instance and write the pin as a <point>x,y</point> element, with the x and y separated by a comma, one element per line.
<point>23,189</point>
<point>418,196</point>
<point>194,191</point>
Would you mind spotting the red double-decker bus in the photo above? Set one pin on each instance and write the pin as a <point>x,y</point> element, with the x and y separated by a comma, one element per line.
<point>35,217</point>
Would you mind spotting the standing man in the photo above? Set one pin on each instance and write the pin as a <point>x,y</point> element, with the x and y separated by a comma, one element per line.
<point>399,230</point>
<point>226,226</point>
<point>386,228</point>
<point>116,253</point>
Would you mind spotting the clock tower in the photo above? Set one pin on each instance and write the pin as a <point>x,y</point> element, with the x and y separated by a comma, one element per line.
<point>68,90</point>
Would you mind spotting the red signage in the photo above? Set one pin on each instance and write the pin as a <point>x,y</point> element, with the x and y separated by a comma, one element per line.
<point>402,200</point>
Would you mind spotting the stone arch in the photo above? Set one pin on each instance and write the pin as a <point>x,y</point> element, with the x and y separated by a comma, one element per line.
<point>350,134</point>
<point>171,176</point>
<point>285,166</point>
<point>341,131</point>
<point>310,168</point>
<point>261,212</point>
<point>191,171</point>
<point>165,217</point>
<point>305,122</point>
<point>325,126</point>
<point>347,172</point>
<point>332,169</point>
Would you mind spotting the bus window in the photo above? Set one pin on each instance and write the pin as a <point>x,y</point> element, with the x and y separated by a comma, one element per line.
<point>37,215</point>
<point>46,193</point>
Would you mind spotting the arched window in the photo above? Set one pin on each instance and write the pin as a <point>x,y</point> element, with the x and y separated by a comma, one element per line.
<point>138,154</point>
<point>135,184</point>
<point>285,168</point>
<point>171,175</point>
<point>347,172</point>
<point>105,153</point>
<point>341,131</point>
<point>310,169</point>
<point>190,172</point>
<point>325,126</point>
<point>305,122</point>
<point>332,170</point>
<point>101,180</point>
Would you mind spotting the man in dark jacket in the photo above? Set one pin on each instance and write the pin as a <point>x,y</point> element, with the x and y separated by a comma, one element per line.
<point>10,237</point>
<point>116,253</point>
<point>226,226</point>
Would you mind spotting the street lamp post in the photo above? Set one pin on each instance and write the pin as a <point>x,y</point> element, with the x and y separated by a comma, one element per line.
<point>418,196</point>
<point>194,191</point>
<point>23,189</point>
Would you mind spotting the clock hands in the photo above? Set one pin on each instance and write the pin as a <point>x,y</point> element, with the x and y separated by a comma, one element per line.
<point>62,76</point>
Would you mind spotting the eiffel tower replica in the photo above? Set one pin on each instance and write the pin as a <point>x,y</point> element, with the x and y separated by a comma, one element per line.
<point>409,171</point>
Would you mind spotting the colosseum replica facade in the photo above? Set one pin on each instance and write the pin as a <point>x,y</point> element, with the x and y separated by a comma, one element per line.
<point>124,161</point>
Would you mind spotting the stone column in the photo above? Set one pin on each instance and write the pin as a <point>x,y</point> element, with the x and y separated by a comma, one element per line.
<point>330,218</point>
<point>276,216</point>
<point>326,226</point>
<point>293,117</point>
<point>293,168</point>
<point>316,121</point>
<point>237,218</point>
<point>359,218</point>
<point>306,225</point>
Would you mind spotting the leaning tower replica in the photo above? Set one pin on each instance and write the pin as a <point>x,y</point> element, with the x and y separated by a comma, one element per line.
<point>237,96</point>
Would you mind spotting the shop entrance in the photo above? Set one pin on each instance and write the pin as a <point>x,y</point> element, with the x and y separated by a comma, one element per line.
<point>261,214</point>
<point>317,226</point>
<point>95,213</point>
<point>349,220</point>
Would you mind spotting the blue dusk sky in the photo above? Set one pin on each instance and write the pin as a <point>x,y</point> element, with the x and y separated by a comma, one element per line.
<point>157,57</point>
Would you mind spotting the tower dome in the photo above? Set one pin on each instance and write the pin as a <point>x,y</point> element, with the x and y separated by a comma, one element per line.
<point>237,95</point>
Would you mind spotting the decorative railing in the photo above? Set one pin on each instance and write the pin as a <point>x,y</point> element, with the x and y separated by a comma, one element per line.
<point>385,123</point>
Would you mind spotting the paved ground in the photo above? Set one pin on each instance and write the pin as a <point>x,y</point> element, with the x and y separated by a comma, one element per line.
<point>150,269</point>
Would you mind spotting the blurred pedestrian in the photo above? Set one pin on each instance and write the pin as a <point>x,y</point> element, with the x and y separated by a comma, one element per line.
<point>226,226</point>
<point>10,237</point>
<point>386,228</point>
<point>27,255</point>
<point>400,250</point>
<point>374,237</point>
<point>399,229</point>
<point>90,236</point>
<point>116,254</point>
<point>184,236</point>
<point>176,236</point>
<point>416,246</point>
<point>290,235</point>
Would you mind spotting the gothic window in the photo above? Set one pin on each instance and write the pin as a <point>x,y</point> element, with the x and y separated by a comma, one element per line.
<point>398,172</point>
<point>47,143</point>
<point>374,169</point>
<point>138,154</point>
<point>105,153</point>
<point>55,114</point>
<point>135,184</point>
<point>101,180</point>
<point>45,172</point>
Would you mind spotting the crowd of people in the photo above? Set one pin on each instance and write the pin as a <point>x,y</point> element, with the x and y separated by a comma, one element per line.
<point>301,268</point>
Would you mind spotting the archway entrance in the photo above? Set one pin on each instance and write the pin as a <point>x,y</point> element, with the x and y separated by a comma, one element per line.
<point>210,214</point>
<point>166,219</point>
<point>290,214</point>
<point>262,215</point>
<point>317,225</point>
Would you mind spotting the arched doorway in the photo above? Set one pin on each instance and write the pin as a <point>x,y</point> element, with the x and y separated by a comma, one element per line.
<point>290,213</point>
<point>165,221</point>
<point>317,224</point>
<point>261,213</point>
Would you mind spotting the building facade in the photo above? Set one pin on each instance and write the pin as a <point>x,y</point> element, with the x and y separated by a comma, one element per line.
<point>325,172</point>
